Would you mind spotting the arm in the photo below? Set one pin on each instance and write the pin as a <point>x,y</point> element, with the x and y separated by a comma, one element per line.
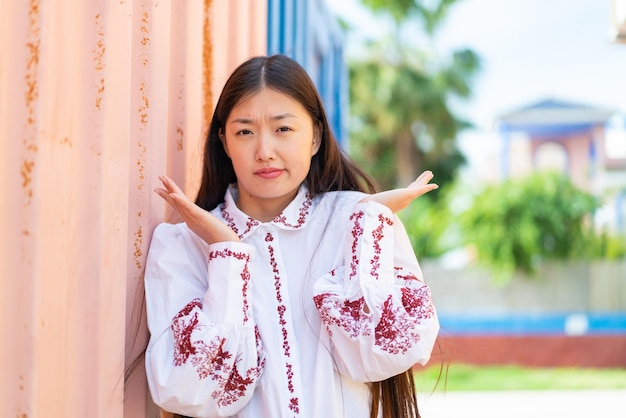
<point>398,199</point>
<point>200,221</point>
<point>376,307</point>
<point>204,357</point>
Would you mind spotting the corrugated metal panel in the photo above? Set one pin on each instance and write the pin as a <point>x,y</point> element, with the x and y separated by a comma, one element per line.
<point>96,99</point>
<point>307,31</point>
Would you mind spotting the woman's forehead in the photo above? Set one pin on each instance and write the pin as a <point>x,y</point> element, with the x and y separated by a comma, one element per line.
<point>269,102</point>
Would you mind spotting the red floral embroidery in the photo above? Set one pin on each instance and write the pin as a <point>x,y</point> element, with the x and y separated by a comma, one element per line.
<point>229,219</point>
<point>303,213</point>
<point>357,232</point>
<point>245,274</point>
<point>212,360</point>
<point>378,235</point>
<point>182,327</point>
<point>344,314</point>
<point>417,302</point>
<point>294,405</point>
<point>395,332</point>
<point>290,377</point>
<point>400,274</point>
<point>250,223</point>
<point>234,384</point>
<point>282,309</point>
<point>212,350</point>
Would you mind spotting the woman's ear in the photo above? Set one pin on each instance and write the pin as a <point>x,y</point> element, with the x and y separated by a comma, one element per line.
<point>317,139</point>
<point>220,133</point>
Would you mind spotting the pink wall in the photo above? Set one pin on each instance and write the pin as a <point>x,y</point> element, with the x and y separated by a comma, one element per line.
<point>96,99</point>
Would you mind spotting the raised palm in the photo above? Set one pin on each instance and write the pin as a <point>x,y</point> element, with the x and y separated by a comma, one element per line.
<point>200,221</point>
<point>398,199</point>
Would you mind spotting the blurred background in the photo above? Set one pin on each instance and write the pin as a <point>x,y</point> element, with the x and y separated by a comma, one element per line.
<point>515,106</point>
<point>518,107</point>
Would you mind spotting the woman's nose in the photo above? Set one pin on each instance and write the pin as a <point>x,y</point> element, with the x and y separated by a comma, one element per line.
<point>265,148</point>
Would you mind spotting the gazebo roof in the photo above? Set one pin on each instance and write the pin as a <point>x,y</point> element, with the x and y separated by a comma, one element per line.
<point>554,116</point>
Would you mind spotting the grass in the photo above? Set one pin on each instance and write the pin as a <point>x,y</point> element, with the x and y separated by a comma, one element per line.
<point>460,377</point>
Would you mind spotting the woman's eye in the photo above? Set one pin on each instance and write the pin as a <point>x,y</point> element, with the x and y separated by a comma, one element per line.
<point>244,132</point>
<point>284,129</point>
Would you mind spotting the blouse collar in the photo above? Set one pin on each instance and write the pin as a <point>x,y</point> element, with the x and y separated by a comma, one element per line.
<point>294,216</point>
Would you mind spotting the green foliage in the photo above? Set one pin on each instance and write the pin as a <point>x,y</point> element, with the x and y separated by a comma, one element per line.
<point>431,13</point>
<point>515,224</point>
<point>400,90</point>
<point>402,123</point>
<point>426,222</point>
<point>390,118</point>
<point>607,247</point>
<point>462,377</point>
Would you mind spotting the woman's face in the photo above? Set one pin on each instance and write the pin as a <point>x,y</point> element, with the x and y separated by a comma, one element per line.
<point>270,139</point>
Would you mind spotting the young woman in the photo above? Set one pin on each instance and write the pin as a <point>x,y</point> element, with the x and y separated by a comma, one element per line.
<point>291,288</point>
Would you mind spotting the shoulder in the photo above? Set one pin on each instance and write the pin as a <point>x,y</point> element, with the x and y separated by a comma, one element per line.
<point>343,204</point>
<point>167,235</point>
<point>343,198</point>
<point>166,231</point>
<point>339,202</point>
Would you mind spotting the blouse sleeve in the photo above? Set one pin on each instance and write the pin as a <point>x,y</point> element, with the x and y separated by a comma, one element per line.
<point>376,307</point>
<point>204,357</point>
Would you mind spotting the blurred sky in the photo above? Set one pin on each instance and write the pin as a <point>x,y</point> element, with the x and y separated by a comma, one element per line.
<point>531,50</point>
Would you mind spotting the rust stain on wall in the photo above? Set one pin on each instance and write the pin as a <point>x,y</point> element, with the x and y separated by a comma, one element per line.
<point>99,93</point>
<point>137,254</point>
<point>207,58</point>
<point>31,94</point>
<point>181,100</point>
<point>26,170</point>
<point>141,169</point>
<point>145,39</point>
<point>181,90</point>
<point>145,34</point>
<point>99,51</point>
<point>143,113</point>
<point>32,59</point>
<point>145,104</point>
<point>179,138</point>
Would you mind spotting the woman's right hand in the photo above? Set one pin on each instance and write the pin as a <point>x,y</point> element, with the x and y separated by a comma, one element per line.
<point>398,199</point>
<point>200,221</point>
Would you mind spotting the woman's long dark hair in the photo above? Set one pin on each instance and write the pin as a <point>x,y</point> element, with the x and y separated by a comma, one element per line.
<point>331,170</point>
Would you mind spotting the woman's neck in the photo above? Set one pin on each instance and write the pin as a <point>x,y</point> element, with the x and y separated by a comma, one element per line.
<point>263,210</point>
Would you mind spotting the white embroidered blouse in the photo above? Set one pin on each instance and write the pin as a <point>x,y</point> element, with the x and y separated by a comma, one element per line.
<point>294,320</point>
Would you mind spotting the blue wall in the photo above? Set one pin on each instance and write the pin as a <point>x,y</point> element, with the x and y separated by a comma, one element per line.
<point>571,323</point>
<point>307,31</point>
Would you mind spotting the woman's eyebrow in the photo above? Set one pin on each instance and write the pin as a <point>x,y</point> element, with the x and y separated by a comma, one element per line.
<point>241,120</point>
<point>275,117</point>
<point>283,116</point>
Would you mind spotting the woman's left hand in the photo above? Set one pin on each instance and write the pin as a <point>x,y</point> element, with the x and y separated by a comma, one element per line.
<point>200,221</point>
<point>398,199</point>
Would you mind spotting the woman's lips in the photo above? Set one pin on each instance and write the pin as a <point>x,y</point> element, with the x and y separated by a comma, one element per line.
<point>269,173</point>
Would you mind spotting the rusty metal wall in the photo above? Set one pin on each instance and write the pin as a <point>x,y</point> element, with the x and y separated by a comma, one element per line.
<point>97,98</point>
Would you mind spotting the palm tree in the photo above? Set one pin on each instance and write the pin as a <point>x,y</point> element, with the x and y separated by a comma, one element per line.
<point>399,95</point>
